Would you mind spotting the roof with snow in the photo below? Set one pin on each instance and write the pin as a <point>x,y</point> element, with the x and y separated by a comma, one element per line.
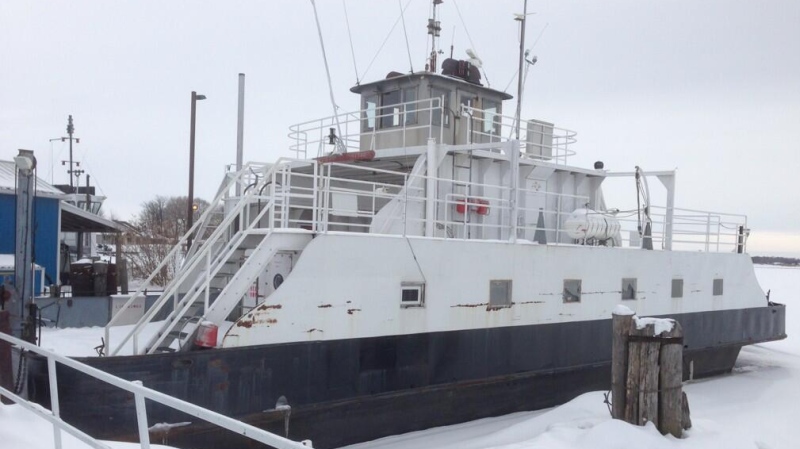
<point>8,182</point>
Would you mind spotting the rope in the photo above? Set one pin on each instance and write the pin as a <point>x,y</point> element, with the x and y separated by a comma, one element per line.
<point>388,35</point>
<point>340,147</point>
<point>350,36</point>
<point>607,401</point>
<point>405,33</point>
<point>658,390</point>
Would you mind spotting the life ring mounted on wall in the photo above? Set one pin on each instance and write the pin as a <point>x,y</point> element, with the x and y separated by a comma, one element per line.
<point>479,206</point>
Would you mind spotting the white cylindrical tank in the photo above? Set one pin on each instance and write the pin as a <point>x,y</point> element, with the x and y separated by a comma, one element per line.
<point>589,224</point>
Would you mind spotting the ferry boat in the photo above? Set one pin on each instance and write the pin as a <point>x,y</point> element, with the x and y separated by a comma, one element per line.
<point>427,260</point>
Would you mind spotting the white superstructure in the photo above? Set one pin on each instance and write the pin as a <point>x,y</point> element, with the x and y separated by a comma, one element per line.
<point>425,217</point>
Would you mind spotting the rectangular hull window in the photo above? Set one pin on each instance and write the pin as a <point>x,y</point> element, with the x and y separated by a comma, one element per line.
<point>572,290</point>
<point>677,288</point>
<point>499,293</point>
<point>629,288</point>
<point>717,287</point>
<point>412,294</point>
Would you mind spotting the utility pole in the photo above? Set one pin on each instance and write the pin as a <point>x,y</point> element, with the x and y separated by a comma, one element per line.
<point>71,171</point>
<point>190,201</point>
<point>25,164</point>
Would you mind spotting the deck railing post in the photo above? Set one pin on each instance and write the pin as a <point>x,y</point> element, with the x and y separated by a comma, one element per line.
<point>141,418</point>
<point>514,159</point>
<point>54,406</point>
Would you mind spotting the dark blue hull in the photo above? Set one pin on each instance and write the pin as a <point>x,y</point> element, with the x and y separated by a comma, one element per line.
<point>347,391</point>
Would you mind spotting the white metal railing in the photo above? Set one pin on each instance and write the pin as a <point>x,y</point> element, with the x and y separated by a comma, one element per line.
<point>538,140</point>
<point>140,393</point>
<point>362,129</point>
<point>351,204</point>
<point>213,246</point>
<point>314,136</point>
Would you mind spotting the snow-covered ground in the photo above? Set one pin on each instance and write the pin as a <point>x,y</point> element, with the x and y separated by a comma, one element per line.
<point>755,407</point>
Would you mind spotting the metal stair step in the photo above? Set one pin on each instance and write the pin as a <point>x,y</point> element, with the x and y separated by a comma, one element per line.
<point>180,335</point>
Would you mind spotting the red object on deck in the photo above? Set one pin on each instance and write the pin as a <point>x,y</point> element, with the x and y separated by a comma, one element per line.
<point>347,157</point>
<point>477,205</point>
<point>206,335</point>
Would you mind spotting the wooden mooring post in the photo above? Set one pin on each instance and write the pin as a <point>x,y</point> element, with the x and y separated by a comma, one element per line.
<point>646,372</point>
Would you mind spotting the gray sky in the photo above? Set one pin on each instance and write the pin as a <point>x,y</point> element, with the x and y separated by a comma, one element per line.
<point>710,87</point>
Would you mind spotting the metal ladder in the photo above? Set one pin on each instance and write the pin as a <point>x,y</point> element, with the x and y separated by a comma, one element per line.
<point>462,183</point>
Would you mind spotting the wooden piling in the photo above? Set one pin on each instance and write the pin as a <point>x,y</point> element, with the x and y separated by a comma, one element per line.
<point>621,324</point>
<point>6,372</point>
<point>641,399</point>
<point>671,374</point>
<point>646,373</point>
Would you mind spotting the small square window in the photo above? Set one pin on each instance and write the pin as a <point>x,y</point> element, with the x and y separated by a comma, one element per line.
<point>572,290</point>
<point>412,295</point>
<point>717,287</point>
<point>499,293</point>
<point>677,288</point>
<point>629,288</point>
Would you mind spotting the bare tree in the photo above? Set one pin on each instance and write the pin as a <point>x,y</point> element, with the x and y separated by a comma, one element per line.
<point>161,224</point>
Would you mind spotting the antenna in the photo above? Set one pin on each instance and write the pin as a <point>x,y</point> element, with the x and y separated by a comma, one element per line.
<point>522,20</point>
<point>452,42</point>
<point>340,147</point>
<point>71,171</point>
<point>434,29</point>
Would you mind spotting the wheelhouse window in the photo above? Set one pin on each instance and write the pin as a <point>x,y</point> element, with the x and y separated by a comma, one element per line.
<point>499,293</point>
<point>491,117</point>
<point>370,106</point>
<point>390,109</point>
<point>629,288</point>
<point>412,294</point>
<point>572,290</point>
<point>441,113</point>
<point>409,97</point>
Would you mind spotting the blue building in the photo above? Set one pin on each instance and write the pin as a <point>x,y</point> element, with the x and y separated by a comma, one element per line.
<point>52,215</point>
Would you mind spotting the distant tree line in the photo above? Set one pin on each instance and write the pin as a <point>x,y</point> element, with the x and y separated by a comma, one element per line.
<point>782,261</point>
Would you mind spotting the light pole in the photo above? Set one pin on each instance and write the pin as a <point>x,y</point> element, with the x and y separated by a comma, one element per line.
<point>190,209</point>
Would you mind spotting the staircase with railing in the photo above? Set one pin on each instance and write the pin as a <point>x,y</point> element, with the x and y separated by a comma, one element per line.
<point>219,267</point>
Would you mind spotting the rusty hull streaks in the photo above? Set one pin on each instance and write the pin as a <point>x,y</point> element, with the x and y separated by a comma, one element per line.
<point>269,306</point>
<point>471,305</point>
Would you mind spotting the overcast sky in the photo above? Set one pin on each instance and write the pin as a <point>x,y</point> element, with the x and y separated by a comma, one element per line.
<point>709,87</point>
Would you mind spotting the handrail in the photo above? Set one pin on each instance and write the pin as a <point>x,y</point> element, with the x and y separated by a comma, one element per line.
<point>173,253</point>
<point>190,265</point>
<point>140,393</point>
<point>299,132</point>
<point>542,140</point>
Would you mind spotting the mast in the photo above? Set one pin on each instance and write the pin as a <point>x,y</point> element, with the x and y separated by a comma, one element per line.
<point>434,29</point>
<point>518,116</point>
<point>71,171</point>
